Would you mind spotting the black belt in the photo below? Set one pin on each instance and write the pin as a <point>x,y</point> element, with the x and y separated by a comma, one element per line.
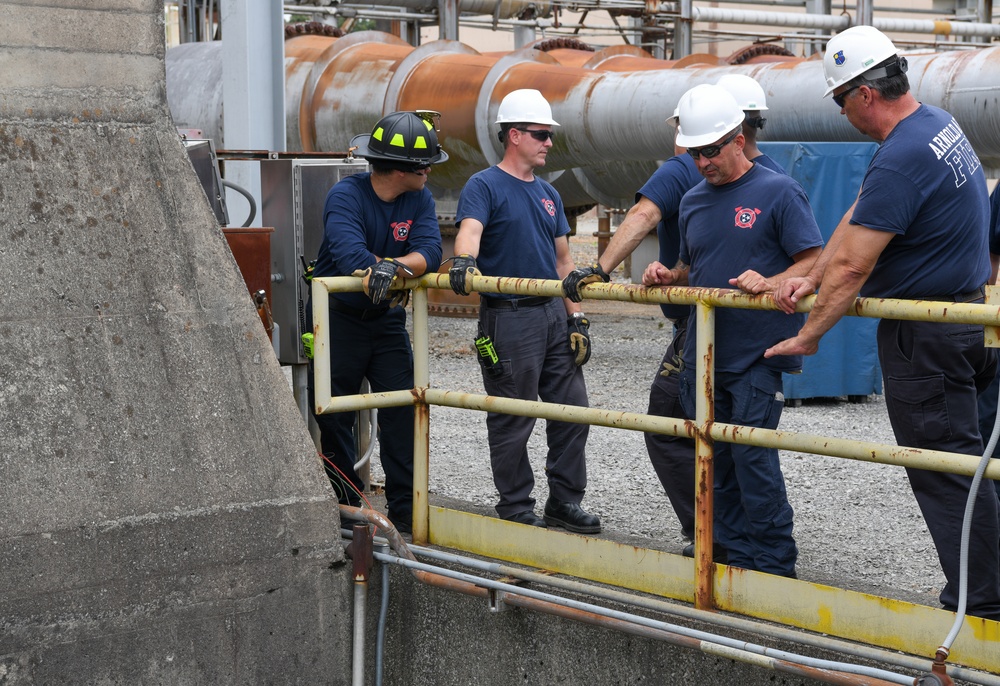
<point>364,314</point>
<point>969,297</point>
<point>513,303</point>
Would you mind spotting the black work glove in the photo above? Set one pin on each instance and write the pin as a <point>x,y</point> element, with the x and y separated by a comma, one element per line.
<point>461,265</point>
<point>377,279</point>
<point>579,338</point>
<point>582,276</point>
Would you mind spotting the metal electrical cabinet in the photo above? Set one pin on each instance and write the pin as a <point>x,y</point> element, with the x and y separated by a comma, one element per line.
<point>293,192</point>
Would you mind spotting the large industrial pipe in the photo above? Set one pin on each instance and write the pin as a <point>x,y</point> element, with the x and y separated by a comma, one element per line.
<point>611,106</point>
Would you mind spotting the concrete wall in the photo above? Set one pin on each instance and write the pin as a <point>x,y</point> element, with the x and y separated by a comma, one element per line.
<point>163,516</point>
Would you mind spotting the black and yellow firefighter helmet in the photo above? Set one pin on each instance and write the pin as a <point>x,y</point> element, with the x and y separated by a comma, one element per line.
<point>401,137</point>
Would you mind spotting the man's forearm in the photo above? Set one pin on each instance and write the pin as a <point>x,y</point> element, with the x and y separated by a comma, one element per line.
<point>641,219</point>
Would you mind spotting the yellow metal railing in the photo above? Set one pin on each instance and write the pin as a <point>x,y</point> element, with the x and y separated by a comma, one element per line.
<point>891,624</point>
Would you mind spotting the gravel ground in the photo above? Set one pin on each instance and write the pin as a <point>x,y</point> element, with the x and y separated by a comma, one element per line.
<point>857,524</point>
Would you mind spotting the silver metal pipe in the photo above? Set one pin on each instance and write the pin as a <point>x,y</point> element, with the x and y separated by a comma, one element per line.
<point>743,651</point>
<point>358,652</point>
<point>840,22</point>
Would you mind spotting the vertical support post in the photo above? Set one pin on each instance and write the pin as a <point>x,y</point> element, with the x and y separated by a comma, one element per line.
<point>816,46</point>
<point>448,19</point>
<point>682,31</point>
<point>866,12</point>
<point>253,88</point>
<point>421,419</point>
<point>704,468</point>
<point>321,345</point>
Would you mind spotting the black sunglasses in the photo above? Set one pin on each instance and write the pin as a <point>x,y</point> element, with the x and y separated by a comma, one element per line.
<point>711,151</point>
<point>539,135</point>
<point>839,100</point>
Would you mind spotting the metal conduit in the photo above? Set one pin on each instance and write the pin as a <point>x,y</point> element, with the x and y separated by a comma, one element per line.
<point>712,644</point>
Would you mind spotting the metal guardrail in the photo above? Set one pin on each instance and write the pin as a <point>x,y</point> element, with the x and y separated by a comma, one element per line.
<point>887,623</point>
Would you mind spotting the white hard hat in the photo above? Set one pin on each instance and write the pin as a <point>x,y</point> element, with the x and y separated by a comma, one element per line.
<point>673,118</point>
<point>706,113</point>
<point>525,106</point>
<point>852,52</point>
<point>748,93</point>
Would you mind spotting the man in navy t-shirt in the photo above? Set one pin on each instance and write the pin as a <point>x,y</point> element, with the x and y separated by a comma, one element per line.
<point>742,222</point>
<point>383,223</point>
<point>511,223</point>
<point>919,230</point>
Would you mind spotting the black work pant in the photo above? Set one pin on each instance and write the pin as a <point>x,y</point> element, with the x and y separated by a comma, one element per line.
<point>379,350</point>
<point>672,456</point>
<point>532,344</point>
<point>934,374</point>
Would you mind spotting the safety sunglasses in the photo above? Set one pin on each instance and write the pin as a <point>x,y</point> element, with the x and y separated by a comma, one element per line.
<point>711,151</point>
<point>539,135</point>
<point>419,168</point>
<point>839,100</point>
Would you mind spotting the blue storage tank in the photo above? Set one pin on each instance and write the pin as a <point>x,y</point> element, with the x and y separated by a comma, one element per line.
<point>847,361</point>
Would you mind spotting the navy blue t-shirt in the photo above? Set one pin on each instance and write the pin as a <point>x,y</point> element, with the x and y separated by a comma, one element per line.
<point>521,221</point>
<point>358,225</point>
<point>926,185</point>
<point>665,188</point>
<point>765,161</point>
<point>760,221</point>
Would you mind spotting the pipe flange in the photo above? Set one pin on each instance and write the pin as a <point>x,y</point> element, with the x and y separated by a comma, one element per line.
<point>312,28</point>
<point>485,114</point>
<point>546,44</point>
<point>744,55</point>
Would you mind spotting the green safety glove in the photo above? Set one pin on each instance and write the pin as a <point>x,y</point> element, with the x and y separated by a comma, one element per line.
<point>307,344</point>
<point>579,338</point>
<point>462,265</point>
<point>581,276</point>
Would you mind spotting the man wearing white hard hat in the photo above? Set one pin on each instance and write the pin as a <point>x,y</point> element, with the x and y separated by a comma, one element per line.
<point>742,222</point>
<point>512,223</point>
<point>750,97</point>
<point>918,230</point>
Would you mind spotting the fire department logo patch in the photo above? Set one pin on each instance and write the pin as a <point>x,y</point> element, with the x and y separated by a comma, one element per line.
<point>401,230</point>
<point>745,217</point>
<point>838,58</point>
<point>549,206</point>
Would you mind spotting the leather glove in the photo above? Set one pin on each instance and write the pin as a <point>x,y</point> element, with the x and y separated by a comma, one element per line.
<point>461,266</point>
<point>579,338</point>
<point>582,276</point>
<point>675,365</point>
<point>376,280</point>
